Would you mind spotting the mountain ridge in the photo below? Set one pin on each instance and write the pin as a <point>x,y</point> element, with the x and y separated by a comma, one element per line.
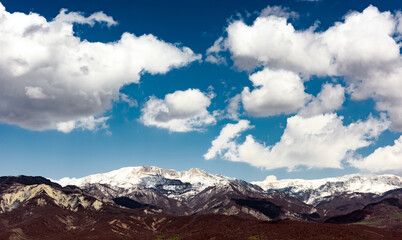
<point>32,203</point>
<point>182,184</point>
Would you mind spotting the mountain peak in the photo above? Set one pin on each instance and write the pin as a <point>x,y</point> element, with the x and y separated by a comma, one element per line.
<point>129,178</point>
<point>320,188</point>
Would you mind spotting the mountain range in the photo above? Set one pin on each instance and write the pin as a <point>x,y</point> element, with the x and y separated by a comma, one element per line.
<point>147,201</point>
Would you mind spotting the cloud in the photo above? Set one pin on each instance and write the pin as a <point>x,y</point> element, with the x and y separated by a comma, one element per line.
<point>383,159</point>
<point>181,111</point>
<point>363,48</point>
<point>274,92</point>
<point>314,142</point>
<point>363,41</point>
<point>213,52</point>
<point>328,100</point>
<point>131,102</point>
<point>224,142</point>
<point>384,88</point>
<point>232,110</point>
<point>278,11</point>
<point>75,17</point>
<point>35,93</point>
<point>398,15</point>
<point>89,123</point>
<point>51,79</point>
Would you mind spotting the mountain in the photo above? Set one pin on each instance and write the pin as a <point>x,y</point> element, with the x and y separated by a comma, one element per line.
<point>171,183</point>
<point>38,209</point>
<point>386,213</point>
<point>316,191</point>
<point>153,203</point>
<point>190,192</point>
<point>197,192</point>
<point>23,190</point>
<point>181,185</point>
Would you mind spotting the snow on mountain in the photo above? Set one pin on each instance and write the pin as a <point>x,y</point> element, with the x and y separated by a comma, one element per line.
<point>170,182</point>
<point>180,185</point>
<point>312,191</point>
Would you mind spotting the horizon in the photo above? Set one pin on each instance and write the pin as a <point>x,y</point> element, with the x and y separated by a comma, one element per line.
<point>293,89</point>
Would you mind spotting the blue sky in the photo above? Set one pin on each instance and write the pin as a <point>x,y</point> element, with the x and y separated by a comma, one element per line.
<point>295,89</point>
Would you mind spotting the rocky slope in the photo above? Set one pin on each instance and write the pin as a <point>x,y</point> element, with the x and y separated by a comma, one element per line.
<point>17,191</point>
<point>170,183</point>
<point>315,191</point>
<point>191,192</point>
<point>36,208</point>
<point>386,213</point>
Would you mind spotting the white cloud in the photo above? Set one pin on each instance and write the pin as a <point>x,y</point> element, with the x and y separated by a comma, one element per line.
<point>328,100</point>
<point>88,123</point>
<point>278,11</point>
<point>213,52</point>
<point>363,49</point>
<point>35,93</point>
<point>75,17</point>
<point>66,127</point>
<point>131,102</point>
<point>181,111</point>
<point>232,110</point>
<point>384,87</point>
<point>321,141</point>
<point>49,77</point>
<point>384,159</point>
<point>363,41</point>
<point>224,142</point>
<point>274,92</point>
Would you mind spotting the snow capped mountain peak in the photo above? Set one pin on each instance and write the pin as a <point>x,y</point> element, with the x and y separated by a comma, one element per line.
<point>149,177</point>
<point>369,183</point>
<point>181,184</point>
<point>311,191</point>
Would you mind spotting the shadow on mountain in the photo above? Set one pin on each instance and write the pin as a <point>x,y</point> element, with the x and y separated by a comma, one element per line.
<point>130,203</point>
<point>267,208</point>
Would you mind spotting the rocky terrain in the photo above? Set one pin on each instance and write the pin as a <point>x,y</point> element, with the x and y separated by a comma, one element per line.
<point>153,203</point>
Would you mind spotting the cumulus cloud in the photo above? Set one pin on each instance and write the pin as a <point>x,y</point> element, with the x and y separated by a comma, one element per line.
<point>363,48</point>
<point>347,48</point>
<point>313,142</point>
<point>274,92</point>
<point>328,100</point>
<point>224,144</point>
<point>383,159</point>
<point>181,111</point>
<point>51,79</point>
<point>384,88</point>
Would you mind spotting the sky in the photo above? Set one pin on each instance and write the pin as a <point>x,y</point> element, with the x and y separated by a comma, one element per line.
<point>246,89</point>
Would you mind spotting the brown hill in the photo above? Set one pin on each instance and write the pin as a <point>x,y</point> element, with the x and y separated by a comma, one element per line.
<point>384,214</point>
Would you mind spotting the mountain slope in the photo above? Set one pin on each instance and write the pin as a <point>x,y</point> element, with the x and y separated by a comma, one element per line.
<point>17,191</point>
<point>315,191</point>
<point>384,214</point>
<point>191,192</point>
<point>36,208</point>
<point>197,192</point>
<point>170,183</point>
